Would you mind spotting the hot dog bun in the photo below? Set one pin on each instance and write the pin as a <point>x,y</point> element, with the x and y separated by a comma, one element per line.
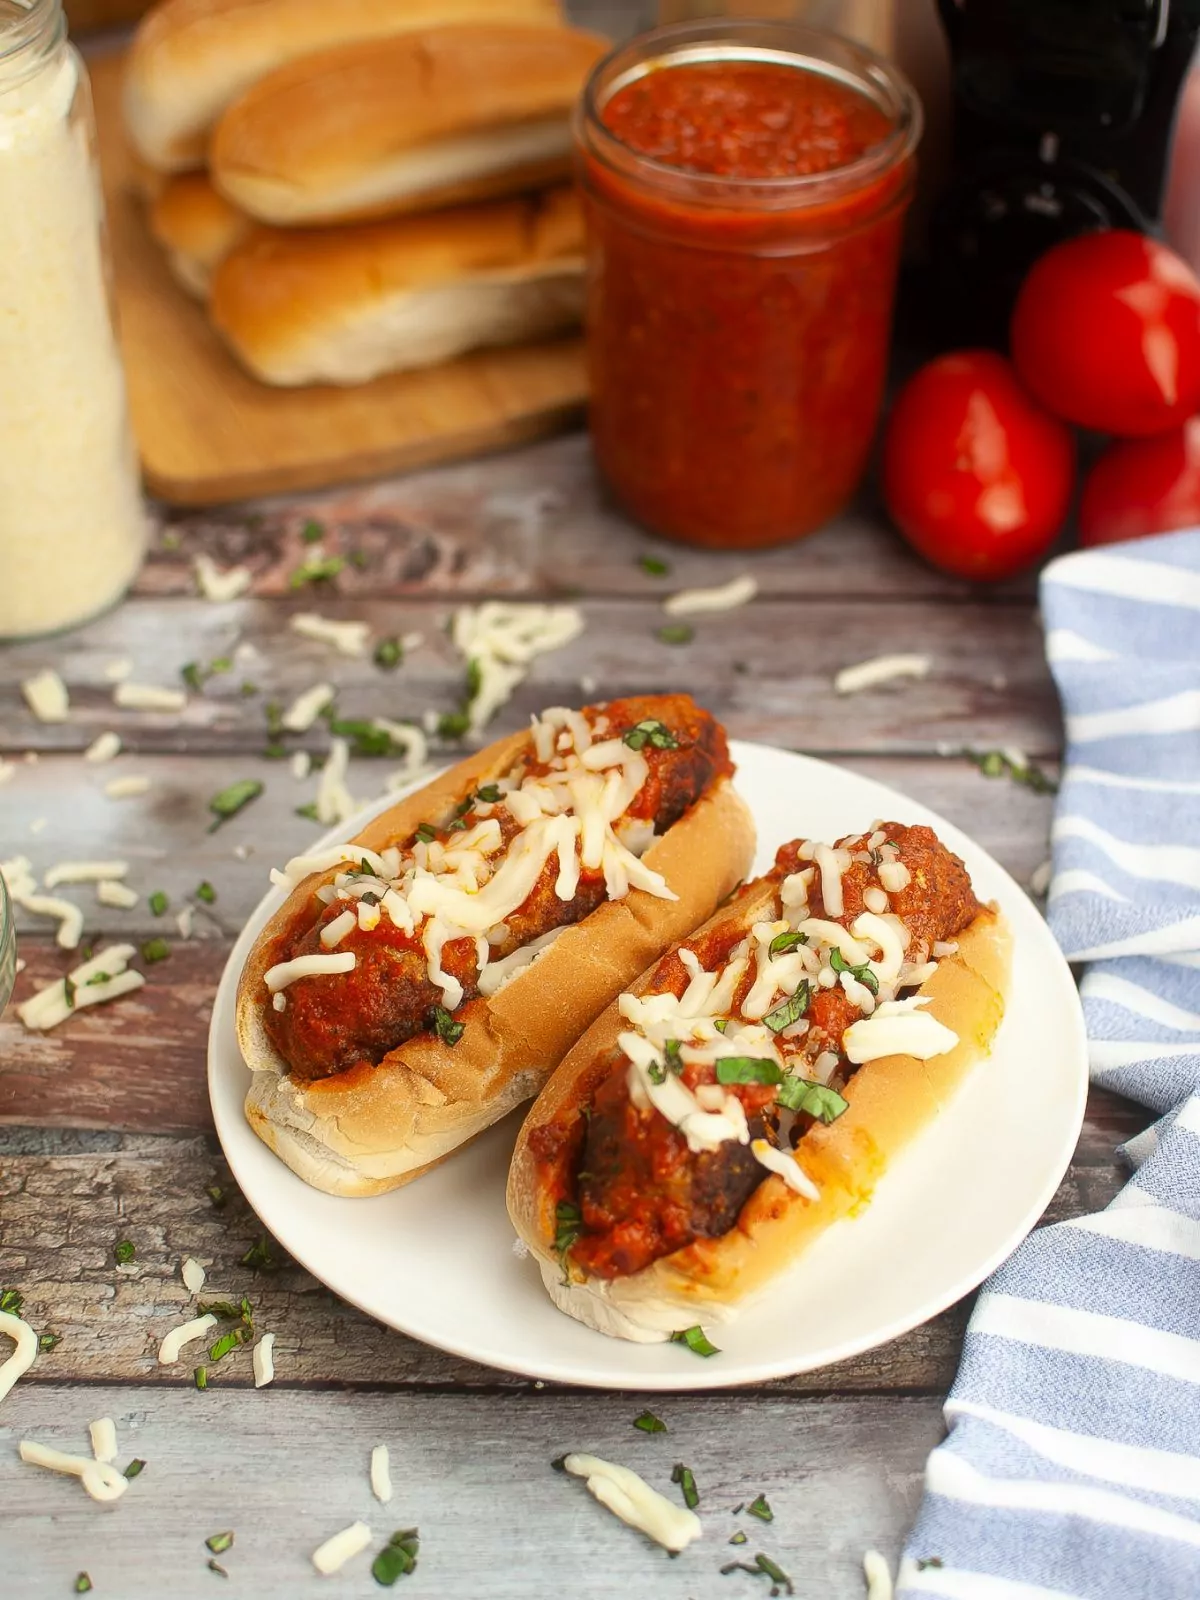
<point>192,58</point>
<point>891,1100</point>
<point>405,124</point>
<point>371,1129</point>
<point>197,228</point>
<point>342,305</point>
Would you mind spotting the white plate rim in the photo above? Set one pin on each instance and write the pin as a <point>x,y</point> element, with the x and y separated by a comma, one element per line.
<point>242,1147</point>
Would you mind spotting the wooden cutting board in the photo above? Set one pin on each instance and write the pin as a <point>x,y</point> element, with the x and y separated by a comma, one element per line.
<point>207,432</point>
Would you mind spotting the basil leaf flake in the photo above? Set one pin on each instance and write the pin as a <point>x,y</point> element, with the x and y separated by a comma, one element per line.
<point>444,1025</point>
<point>489,794</point>
<point>124,1251</point>
<point>791,1010</point>
<point>158,903</point>
<point>677,633</point>
<point>650,732</point>
<point>812,1099</point>
<point>696,1340</point>
<point>686,1480</point>
<point>218,1543</point>
<point>647,1422</point>
<point>134,1469</point>
<point>83,1584</point>
<point>231,800</point>
<point>862,974</point>
<point>11,1301</point>
<point>200,1377</point>
<point>47,1341</point>
<point>397,1558</point>
<point>747,1069</point>
<point>155,950</point>
<point>784,943</point>
<point>654,565</point>
<point>760,1508</point>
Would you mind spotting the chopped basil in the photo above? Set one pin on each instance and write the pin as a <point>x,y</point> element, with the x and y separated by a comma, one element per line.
<point>274,752</point>
<point>813,1099</point>
<point>672,1062</point>
<point>124,1251</point>
<point>365,738</point>
<point>696,1340</point>
<point>218,1308</point>
<point>69,993</point>
<point>312,532</point>
<point>155,950</point>
<point>315,569</point>
<point>47,1341</point>
<point>784,943</point>
<point>397,1558</point>
<point>206,892</point>
<point>568,1221</point>
<point>11,1301</point>
<point>218,1543</point>
<point>309,812</point>
<point>200,1377</point>
<point>747,1069</point>
<point>677,633</point>
<point>444,1025</point>
<point>686,1480</point>
<point>215,1566</point>
<point>776,1573</point>
<point>457,826</point>
<point>453,724</point>
<point>358,559</point>
<point>739,1538</point>
<point>389,653</point>
<point>759,1508</point>
<point>647,1422</point>
<point>996,764</point>
<point>650,732</point>
<point>929,1561</point>
<point>97,979</point>
<point>474,678</point>
<point>862,974</point>
<point>722,1023</point>
<point>220,1348</point>
<point>259,1256</point>
<point>654,565</point>
<point>221,664</point>
<point>217,1195</point>
<point>489,794</point>
<point>248,688</point>
<point>230,801</point>
<point>134,1468</point>
<point>791,1010</point>
<point>273,711</point>
<point>190,672</point>
<point>83,1584</point>
<point>158,903</point>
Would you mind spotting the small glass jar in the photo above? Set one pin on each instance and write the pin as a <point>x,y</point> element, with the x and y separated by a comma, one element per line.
<point>8,946</point>
<point>738,327</point>
<point>72,523</point>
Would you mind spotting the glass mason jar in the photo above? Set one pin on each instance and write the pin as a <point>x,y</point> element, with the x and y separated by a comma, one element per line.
<point>72,523</point>
<point>738,327</point>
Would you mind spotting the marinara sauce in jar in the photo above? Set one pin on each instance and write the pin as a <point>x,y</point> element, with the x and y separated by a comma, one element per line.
<point>745,186</point>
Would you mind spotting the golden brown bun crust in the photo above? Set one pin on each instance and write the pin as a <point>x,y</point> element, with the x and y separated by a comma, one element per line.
<point>197,228</point>
<point>348,134</point>
<point>341,304</point>
<point>890,1102</point>
<point>372,1129</point>
<point>192,58</point>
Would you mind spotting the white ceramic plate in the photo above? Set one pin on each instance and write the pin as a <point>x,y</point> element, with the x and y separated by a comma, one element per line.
<point>436,1259</point>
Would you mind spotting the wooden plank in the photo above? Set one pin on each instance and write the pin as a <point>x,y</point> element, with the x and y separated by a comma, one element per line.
<point>766,669</point>
<point>164,834</point>
<point>534,522</point>
<point>62,1214</point>
<point>208,432</point>
<point>283,1471</point>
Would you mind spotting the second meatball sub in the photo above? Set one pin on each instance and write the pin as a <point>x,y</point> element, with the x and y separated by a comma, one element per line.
<point>421,981</point>
<point>751,1089</point>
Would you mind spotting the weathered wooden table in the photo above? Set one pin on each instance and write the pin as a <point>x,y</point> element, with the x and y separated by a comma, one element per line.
<point>106,1133</point>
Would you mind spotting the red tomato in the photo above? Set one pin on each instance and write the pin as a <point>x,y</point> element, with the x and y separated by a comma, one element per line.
<point>975,475</point>
<point>1143,486</point>
<point>1106,333</point>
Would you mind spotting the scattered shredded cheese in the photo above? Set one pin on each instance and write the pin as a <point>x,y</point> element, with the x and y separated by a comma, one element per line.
<point>881,669</point>
<point>333,1555</point>
<point>633,1500</point>
<point>898,1028</point>
<point>307,707</point>
<point>50,1005</point>
<point>220,584</point>
<point>126,788</point>
<point>84,872</point>
<point>722,597</point>
<point>878,1575</point>
<point>172,1344</point>
<point>381,1476</point>
<point>46,696</point>
<point>23,1357</point>
<point>69,915</point>
<point>334,802</point>
<point>301,765</point>
<point>787,1167</point>
<point>184,922</point>
<point>286,972</point>
<point>264,1361</point>
<point>193,1275</point>
<point>500,638</point>
<point>103,748</point>
<point>100,1478</point>
<point>148,697</point>
<point>111,893</point>
<point>103,1433</point>
<point>350,638</point>
<point>1039,878</point>
<point>120,668</point>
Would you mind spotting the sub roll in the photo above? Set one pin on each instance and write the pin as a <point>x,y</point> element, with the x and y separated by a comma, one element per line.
<point>421,981</point>
<point>197,228</point>
<point>753,1087</point>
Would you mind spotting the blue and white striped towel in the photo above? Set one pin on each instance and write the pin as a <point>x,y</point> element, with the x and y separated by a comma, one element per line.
<point>1072,1465</point>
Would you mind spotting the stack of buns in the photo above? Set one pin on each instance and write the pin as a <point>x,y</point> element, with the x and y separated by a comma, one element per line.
<point>356,187</point>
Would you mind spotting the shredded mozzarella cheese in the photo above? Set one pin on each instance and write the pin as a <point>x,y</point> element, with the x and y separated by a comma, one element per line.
<point>148,697</point>
<point>502,638</point>
<point>126,788</point>
<point>120,895</point>
<point>349,638</point>
<point>217,584</point>
<point>880,669</point>
<point>103,748</point>
<point>23,1356</point>
<point>381,1477</point>
<point>46,696</point>
<point>100,1478</point>
<point>306,708</point>
<point>334,932</point>
<point>287,972</point>
<point>333,1555</point>
<point>723,597</point>
<point>878,1575</point>
<point>193,1275</point>
<point>898,1028</point>
<point>631,1498</point>
<point>50,1006</point>
<point>103,1434</point>
<point>788,1168</point>
<point>264,1361</point>
<point>117,669</point>
<point>69,916</point>
<point>334,801</point>
<point>84,872</point>
<point>173,1343</point>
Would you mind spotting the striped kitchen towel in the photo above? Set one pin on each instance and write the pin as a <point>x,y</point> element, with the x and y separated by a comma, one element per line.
<point>1072,1465</point>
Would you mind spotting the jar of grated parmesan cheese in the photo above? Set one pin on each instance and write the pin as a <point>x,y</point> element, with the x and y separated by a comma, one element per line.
<point>72,524</point>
